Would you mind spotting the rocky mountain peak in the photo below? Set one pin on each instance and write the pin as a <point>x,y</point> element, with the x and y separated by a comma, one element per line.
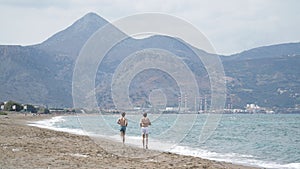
<point>69,41</point>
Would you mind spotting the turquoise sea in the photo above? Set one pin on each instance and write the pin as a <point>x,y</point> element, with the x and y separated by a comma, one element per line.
<point>262,140</point>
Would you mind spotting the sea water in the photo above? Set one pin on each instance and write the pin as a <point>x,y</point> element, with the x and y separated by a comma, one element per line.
<point>262,140</point>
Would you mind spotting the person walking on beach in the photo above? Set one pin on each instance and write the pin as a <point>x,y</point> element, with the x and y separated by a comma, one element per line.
<point>123,122</point>
<point>144,123</point>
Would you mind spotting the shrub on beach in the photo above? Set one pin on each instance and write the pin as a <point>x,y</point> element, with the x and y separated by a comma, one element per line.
<point>12,106</point>
<point>3,113</point>
<point>43,110</point>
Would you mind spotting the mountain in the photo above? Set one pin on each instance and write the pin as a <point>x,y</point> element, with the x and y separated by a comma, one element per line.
<point>28,75</point>
<point>69,41</point>
<point>147,81</point>
<point>267,76</point>
<point>273,51</point>
<point>42,73</point>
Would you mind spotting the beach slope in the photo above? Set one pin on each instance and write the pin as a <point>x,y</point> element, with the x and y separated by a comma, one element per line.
<point>23,146</point>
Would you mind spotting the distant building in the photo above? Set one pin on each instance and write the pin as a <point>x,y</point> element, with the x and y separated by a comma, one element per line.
<point>56,110</point>
<point>171,108</point>
<point>253,108</point>
<point>136,108</point>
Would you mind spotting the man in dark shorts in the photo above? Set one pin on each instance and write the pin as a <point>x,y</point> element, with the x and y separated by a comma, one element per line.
<point>123,122</point>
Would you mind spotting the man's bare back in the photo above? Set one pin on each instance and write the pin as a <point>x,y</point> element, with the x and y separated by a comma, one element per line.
<point>122,121</point>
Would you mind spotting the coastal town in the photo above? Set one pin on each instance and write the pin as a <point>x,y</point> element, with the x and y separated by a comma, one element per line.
<point>12,106</point>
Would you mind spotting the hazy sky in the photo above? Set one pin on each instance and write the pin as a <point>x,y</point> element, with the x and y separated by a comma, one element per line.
<point>231,26</point>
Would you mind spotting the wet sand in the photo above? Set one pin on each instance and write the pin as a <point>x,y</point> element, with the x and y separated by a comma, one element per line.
<point>23,146</point>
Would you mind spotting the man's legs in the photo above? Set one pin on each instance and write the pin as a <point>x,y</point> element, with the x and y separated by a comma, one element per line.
<point>146,141</point>
<point>123,136</point>
<point>143,135</point>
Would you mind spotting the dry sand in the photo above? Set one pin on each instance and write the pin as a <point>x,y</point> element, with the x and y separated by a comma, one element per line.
<point>23,146</point>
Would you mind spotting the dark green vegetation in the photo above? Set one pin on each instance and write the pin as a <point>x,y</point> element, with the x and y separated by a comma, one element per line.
<point>42,74</point>
<point>3,113</point>
<point>18,107</point>
<point>12,106</point>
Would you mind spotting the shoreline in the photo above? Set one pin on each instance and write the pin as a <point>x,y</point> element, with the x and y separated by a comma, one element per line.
<point>24,146</point>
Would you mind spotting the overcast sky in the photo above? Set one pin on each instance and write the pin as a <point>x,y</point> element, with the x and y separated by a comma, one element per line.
<point>231,26</point>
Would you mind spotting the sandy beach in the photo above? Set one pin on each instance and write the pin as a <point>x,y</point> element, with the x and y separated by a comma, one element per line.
<point>23,146</point>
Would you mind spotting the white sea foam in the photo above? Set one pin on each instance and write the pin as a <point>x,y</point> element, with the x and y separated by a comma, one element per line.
<point>247,160</point>
<point>292,165</point>
<point>136,142</point>
<point>242,159</point>
<point>51,124</point>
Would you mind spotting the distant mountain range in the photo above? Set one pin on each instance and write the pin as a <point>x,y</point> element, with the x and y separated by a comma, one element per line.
<point>42,74</point>
<point>268,76</point>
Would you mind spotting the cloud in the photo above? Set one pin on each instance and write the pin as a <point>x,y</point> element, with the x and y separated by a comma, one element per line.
<point>37,4</point>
